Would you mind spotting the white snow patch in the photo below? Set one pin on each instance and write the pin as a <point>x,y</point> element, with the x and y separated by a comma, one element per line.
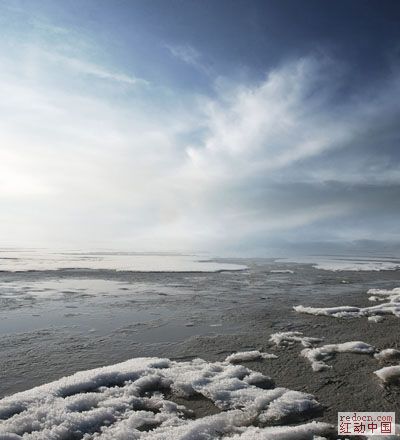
<point>126,402</point>
<point>318,356</point>
<point>391,293</point>
<point>376,318</point>
<point>389,374</point>
<point>289,338</point>
<point>246,356</point>
<point>336,312</point>
<point>387,355</point>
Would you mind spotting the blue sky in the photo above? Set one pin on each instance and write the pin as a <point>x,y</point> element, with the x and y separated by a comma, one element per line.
<point>253,127</point>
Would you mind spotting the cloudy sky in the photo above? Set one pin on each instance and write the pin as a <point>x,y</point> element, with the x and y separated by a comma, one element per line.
<point>228,126</point>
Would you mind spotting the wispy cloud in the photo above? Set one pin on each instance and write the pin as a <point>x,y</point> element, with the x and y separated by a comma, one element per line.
<point>84,67</point>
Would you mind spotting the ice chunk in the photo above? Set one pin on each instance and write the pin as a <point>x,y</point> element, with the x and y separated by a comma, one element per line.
<point>318,356</point>
<point>246,356</point>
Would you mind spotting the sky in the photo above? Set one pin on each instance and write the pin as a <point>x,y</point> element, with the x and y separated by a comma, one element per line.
<point>234,127</point>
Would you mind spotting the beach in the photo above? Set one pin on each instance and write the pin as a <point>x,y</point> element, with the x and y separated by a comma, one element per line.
<point>71,320</point>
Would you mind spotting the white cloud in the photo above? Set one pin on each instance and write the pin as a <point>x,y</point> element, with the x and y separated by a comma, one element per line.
<point>263,128</point>
<point>83,168</point>
<point>84,67</point>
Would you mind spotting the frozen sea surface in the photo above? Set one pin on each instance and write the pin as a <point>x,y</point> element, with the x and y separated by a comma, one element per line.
<point>342,263</point>
<point>42,259</point>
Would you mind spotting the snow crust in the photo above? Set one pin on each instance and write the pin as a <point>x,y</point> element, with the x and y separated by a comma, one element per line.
<point>318,356</point>
<point>134,400</point>
<point>389,304</point>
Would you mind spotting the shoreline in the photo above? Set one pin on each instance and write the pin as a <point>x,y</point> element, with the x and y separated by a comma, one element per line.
<point>255,304</point>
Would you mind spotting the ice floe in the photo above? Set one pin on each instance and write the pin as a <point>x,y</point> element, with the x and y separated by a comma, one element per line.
<point>318,356</point>
<point>246,356</point>
<point>389,304</point>
<point>289,338</point>
<point>134,400</point>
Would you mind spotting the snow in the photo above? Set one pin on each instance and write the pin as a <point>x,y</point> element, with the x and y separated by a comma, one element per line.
<point>246,356</point>
<point>389,375</point>
<point>289,338</point>
<point>387,355</point>
<point>375,318</point>
<point>337,312</point>
<point>127,401</point>
<point>309,431</point>
<point>389,305</point>
<point>318,356</point>
<point>393,293</point>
